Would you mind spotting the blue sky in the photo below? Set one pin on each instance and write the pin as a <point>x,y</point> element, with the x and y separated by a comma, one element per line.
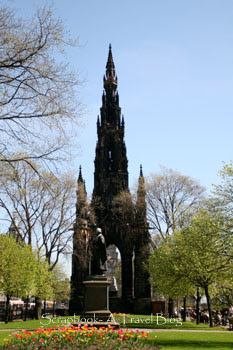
<point>174,61</point>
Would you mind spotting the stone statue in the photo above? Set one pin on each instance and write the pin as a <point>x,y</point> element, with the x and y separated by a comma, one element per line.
<point>99,254</point>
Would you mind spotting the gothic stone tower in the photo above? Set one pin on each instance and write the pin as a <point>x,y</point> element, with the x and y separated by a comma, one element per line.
<point>123,224</point>
<point>131,236</point>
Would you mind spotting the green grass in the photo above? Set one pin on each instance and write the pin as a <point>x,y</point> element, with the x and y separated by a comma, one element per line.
<point>139,321</point>
<point>131,321</point>
<point>3,335</point>
<point>193,341</point>
<point>31,324</point>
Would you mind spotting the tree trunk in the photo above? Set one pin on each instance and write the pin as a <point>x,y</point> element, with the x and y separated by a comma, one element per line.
<point>37,308</point>
<point>198,306</point>
<point>44,309</point>
<point>170,308</point>
<point>54,303</point>
<point>7,308</point>
<point>209,306</point>
<point>184,311</point>
<point>26,309</point>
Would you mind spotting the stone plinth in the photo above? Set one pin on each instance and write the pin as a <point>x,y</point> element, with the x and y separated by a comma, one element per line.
<point>96,300</point>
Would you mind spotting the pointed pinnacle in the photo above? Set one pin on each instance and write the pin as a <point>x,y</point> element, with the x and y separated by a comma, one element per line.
<point>80,177</point>
<point>110,63</point>
<point>141,173</point>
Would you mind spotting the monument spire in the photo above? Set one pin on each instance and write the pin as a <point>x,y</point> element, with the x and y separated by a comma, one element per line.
<point>128,233</point>
<point>81,184</point>
<point>80,176</point>
<point>110,79</point>
<point>110,67</point>
<point>141,173</point>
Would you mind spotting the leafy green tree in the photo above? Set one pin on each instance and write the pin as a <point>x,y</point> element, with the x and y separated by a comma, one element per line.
<point>10,269</point>
<point>165,274</point>
<point>60,285</point>
<point>223,292</point>
<point>206,253</point>
<point>199,255</point>
<point>224,191</point>
<point>28,275</point>
<point>43,285</point>
<point>17,274</point>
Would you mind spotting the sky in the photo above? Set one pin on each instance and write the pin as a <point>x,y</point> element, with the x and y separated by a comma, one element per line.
<point>174,62</point>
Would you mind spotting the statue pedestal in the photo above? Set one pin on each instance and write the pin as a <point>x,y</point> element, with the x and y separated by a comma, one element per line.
<point>96,302</point>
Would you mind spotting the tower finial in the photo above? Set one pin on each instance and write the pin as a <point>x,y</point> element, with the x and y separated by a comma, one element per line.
<point>80,176</point>
<point>110,67</point>
<point>141,173</point>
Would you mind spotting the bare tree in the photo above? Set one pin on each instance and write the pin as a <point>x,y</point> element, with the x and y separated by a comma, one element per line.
<point>37,92</point>
<point>172,200</point>
<point>43,207</point>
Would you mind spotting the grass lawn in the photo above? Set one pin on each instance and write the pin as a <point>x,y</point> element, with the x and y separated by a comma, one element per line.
<point>130,321</point>
<point>193,341</point>
<point>31,324</point>
<point>3,335</point>
<point>138,321</point>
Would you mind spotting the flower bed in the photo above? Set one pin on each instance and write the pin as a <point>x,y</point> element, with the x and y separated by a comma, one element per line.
<point>78,338</point>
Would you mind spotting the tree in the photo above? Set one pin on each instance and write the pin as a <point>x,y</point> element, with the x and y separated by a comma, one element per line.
<point>42,205</point>
<point>10,274</point>
<point>27,272</point>
<point>165,275</point>
<point>172,200</point>
<point>223,292</point>
<point>43,285</point>
<point>61,286</point>
<point>202,253</point>
<point>223,193</point>
<point>17,274</point>
<point>37,89</point>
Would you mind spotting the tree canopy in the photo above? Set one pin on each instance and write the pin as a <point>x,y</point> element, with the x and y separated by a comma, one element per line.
<point>199,255</point>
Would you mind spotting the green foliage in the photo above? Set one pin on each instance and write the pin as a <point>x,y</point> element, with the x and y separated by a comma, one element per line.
<point>60,285</point>
<point>165,274</point>
<point>206,249</point>
<point>28,271</point>
<point>11,267</point>
<point>44,280</point>
<point>198,255</point>
<point>23,274</point>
